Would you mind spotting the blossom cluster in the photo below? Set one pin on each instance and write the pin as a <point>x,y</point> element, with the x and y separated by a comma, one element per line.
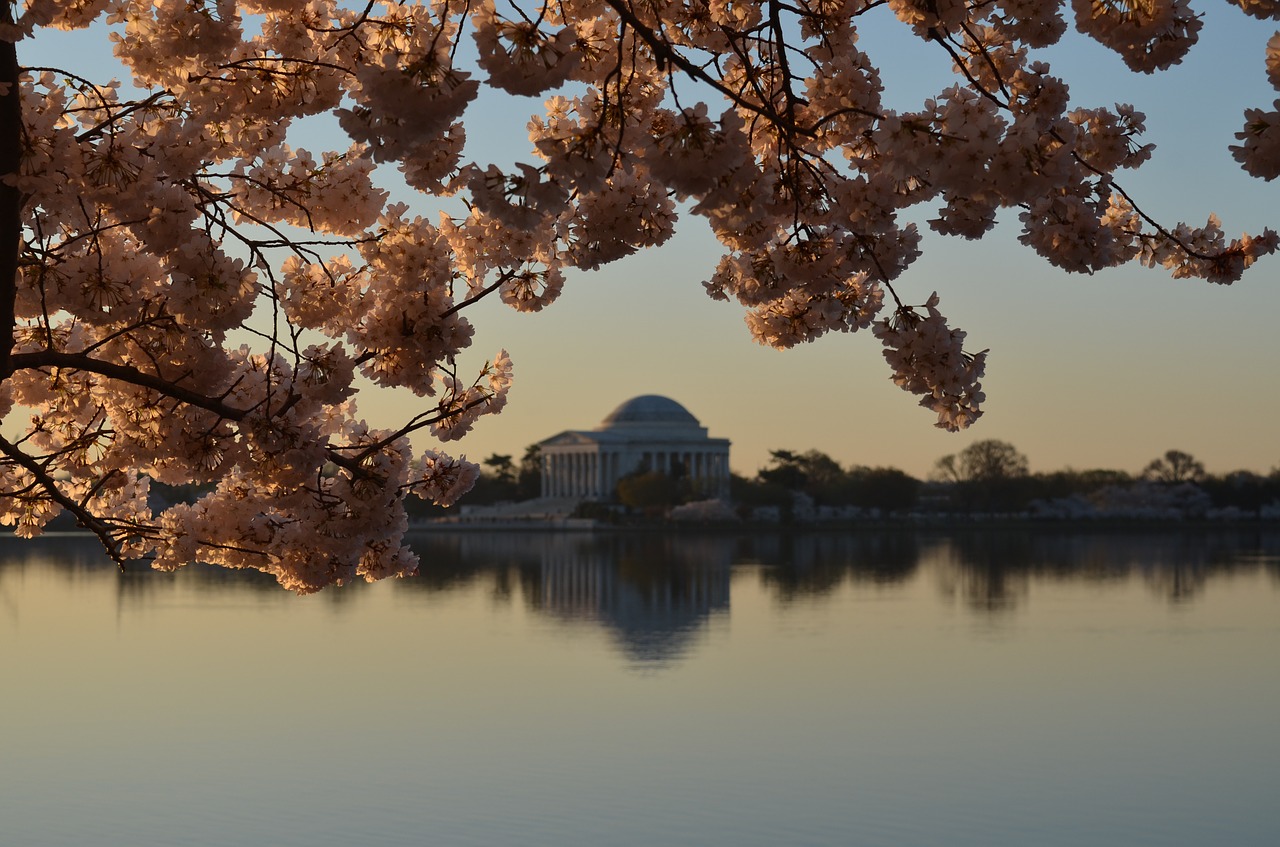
<point>928,358</point>
<point>165,217</point>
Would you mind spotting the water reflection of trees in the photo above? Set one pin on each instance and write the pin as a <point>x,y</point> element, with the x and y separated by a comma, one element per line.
<point>78,558</point>
<point>653,592</point>
<point>988,575</point>
<point>814,564</point>
<point>70,554</point>
<point>992,569</point>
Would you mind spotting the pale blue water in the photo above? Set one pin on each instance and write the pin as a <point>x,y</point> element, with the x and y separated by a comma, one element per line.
<point>543,689</point>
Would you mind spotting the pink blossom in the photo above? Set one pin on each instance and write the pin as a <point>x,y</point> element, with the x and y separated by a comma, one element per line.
<point>199,297</point>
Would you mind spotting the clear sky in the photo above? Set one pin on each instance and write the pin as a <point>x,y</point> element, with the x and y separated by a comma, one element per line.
<point>1107,370</point>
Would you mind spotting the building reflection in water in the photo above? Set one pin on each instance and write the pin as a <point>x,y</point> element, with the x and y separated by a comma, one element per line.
<point>654,594</point>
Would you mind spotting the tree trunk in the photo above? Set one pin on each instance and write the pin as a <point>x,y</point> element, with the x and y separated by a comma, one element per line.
<point>10,197</point>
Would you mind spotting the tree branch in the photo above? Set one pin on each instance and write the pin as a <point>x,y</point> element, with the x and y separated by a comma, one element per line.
<point>124,373</point>
<point>86,518</point>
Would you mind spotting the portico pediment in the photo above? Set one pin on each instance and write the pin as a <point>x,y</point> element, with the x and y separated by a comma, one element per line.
<point>569,438</point>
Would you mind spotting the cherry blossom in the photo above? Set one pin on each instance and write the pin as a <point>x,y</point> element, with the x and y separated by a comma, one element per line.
<point>197,299</point>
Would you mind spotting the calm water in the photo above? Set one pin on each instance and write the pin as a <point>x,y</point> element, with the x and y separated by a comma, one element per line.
<point>541,689</point>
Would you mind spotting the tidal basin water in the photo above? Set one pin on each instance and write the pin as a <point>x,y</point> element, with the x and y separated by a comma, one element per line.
<point>994,688</point>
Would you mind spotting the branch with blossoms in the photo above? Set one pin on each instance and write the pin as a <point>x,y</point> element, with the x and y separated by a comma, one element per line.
<point>140,233</point>
<point>1179,249</point>
<point>30,497</point>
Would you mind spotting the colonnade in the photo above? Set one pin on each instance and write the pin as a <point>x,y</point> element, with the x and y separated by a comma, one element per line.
<point>595,473</point>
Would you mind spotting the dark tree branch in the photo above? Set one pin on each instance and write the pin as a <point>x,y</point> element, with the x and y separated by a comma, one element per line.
<point>124,373</point>
<point>87,519</point>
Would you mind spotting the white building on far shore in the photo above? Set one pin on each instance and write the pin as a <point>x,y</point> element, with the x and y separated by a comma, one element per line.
<point>647,433</point>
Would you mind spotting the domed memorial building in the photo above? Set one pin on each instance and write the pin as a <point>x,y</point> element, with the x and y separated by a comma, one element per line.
<point>647,433</point>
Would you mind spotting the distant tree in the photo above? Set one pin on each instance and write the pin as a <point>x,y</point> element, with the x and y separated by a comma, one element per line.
<point>503,469</point>
<point>786,469</point>
<point>1174,467</point>
<point>1065,483</point>
<point>880,488</point>
<point>1243,490</point>
<point>501,479</point>
<point>821,477</point>
<point>529,478</point>
<point>649,491</point>
<point>812,472</point>
<point>989,459</point>
<point>946,469</point>
<point>757,492</point>
<point>496,483</point>
<point>1092,480</point>
<point>987,475</point>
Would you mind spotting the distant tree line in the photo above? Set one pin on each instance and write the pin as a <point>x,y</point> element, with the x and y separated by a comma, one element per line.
<point>986,477</point>
<point>989,477</point>
<point>821,479</point>
<point>993,476</point>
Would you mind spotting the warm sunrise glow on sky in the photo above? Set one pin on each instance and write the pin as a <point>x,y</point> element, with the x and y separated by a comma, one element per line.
<point>1084,371</point>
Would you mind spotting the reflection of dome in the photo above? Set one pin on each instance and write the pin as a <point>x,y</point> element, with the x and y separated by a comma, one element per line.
<point>649,409</point>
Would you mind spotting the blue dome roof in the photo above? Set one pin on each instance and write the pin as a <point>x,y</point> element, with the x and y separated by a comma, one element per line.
<point>650,409</point>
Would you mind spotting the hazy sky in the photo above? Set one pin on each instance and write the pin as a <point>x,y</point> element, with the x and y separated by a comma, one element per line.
<point>1107,370</point>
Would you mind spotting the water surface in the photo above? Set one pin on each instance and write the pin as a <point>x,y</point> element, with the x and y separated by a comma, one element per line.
<point>547,689</point>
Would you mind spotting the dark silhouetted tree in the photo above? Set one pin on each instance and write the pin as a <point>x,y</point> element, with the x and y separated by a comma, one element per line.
<point>1174,467</point>
<point>987,475</point>
<point>986,460</point>
<point>502,468</point>
<point>529,479</point>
